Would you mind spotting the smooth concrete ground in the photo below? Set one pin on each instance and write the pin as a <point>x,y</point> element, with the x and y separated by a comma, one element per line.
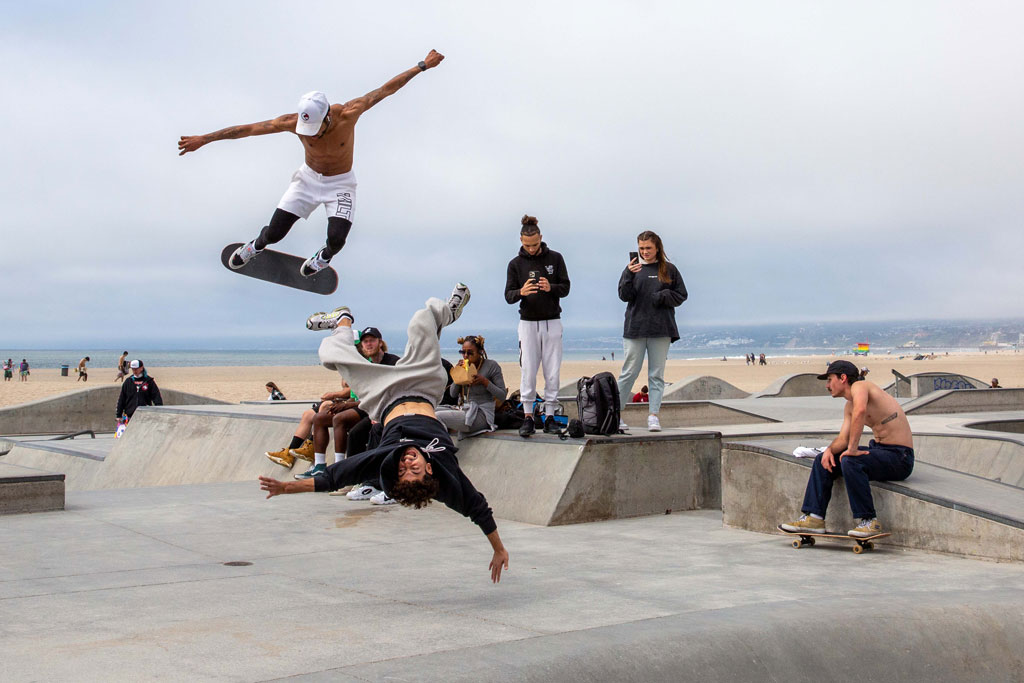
<point>131,584</point>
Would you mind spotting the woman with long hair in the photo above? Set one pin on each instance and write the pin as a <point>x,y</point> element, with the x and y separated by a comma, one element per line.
<point>652,288</point>
<point>476,401</point>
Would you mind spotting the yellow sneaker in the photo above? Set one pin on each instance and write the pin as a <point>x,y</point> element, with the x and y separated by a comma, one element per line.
<point>865,528</point>
<point>806,524</point>
<point>305,451</point>
<point>282,457</point>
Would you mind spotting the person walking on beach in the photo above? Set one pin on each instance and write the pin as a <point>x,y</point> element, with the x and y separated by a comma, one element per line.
<point>8,370</point>
<point>888,457</point>
<point>83,373</point>
<point>327,134</point>
<point>416,457</point>
<point>23,370</point>
<point>122,367</point>
<point>537,279</point>
<point>138,390</point>
<point>652,289</point>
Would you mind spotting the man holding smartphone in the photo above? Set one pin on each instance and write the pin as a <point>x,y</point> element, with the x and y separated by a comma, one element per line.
<point>537,279</point>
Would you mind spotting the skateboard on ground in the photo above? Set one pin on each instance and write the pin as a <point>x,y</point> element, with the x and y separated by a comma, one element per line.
<point>808,539</point>
<point>282,269</point>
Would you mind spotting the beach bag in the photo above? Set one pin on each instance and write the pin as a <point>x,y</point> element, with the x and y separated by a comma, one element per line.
<point>507,415</point>
<point>463,373</point>
<point>597,398</point>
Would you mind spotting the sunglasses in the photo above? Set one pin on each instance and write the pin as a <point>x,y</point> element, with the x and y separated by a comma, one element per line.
<point>466,352</point>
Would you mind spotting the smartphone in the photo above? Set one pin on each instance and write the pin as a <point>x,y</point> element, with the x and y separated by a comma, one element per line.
<point>633,256</point>
<point>532,276</point>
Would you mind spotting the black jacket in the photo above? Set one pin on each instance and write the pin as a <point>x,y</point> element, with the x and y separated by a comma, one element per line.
<point>431,437</point>
<point>651,303</point>
<point>136,392</point>
<point>541,305</point>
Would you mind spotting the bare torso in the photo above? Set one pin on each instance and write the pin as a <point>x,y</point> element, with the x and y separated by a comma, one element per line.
<point>884,416</point>
<point>331,153</point>
<point>410,408</point>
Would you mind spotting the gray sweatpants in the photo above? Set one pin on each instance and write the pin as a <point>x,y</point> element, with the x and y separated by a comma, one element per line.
<point>418,372</point>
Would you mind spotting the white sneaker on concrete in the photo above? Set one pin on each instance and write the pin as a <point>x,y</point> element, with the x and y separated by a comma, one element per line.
<point>623,426</point>
<point>382,499</point>
<point>362,492</point>
<point>653,423</point>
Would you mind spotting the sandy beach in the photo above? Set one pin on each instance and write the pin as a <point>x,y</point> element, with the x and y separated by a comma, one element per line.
<point>235,384</point>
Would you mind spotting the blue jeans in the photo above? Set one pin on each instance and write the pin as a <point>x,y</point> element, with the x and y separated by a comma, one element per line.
<point>882,463</point>
<point>656,349</point>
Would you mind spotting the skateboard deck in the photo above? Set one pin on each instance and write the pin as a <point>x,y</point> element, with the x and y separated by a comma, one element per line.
<point>808,539</point>
<point>282,269</point>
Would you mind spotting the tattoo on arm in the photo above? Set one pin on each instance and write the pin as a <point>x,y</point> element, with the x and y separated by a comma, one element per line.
<point>890,418</point>
<point>389,88</point>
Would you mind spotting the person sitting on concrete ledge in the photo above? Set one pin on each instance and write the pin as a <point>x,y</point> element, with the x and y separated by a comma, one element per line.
<point>475,413</point>
<point>888,457</point>
<point>416,457</point>
<point>301,445</point>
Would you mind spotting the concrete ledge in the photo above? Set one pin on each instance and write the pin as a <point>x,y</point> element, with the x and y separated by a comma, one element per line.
<point>966,401</point>
<point>682,414</point>
<point>91,408</point>
<point>989,457</point>
<point>23,489</point>
<point>935,509</point>
<point>547,481</point>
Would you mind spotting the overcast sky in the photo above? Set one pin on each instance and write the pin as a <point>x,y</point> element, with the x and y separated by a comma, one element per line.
<point>801,160</point>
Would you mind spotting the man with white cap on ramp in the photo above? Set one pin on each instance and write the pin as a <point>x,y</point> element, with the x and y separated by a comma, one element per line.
<point>327,133</point>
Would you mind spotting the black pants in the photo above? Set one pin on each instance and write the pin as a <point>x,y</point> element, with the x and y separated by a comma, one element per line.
<point>282,221</point>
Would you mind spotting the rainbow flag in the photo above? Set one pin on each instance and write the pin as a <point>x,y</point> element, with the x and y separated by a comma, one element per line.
<point>863,348</point>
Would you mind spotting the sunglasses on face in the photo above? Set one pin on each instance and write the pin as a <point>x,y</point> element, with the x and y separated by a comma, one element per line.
<point>467,352</point>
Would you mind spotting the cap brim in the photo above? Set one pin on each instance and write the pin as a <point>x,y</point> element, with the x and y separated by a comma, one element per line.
<point>825,376</point>
<point>306,128</point>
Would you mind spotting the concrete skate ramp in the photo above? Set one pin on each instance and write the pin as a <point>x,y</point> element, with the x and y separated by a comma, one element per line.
<point>702,388</point>
<point>545,480</point>
<point>91,408</point>
<point>966,401</point>
<point>682,414</point>
<point>990,457</point>
<point>1010,426</point>
<point>935,509</point>
<point>24,489</point>
<point>918,638</point>
<point>798,384</point>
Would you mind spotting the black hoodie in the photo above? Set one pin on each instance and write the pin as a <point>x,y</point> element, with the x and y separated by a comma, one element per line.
<point>135,392</point>
<point>431,437</point>
<point>548,264</point>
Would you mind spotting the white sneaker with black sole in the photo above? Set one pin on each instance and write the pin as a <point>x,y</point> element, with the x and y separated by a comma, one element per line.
<point>364,492</point>
<point>243,255</point>
<point>328,321</point>
<point>314,264</point>
<point>458,300</point>
<point>382,499</point>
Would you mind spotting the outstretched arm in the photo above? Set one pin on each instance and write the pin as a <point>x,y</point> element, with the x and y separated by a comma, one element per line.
<point>273,487</point>
<point>361,104</point>
<point>282,124</point>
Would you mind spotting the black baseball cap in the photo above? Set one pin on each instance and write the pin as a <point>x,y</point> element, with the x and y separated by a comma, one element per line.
<point>370,332</point>
<point>842,367</point>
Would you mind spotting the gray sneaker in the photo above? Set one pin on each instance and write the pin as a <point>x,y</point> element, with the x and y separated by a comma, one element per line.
<point>243,255</point>
<point>328,321</point>
<point>458,300</point>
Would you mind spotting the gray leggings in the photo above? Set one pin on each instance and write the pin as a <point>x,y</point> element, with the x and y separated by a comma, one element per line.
<point>418,372</point>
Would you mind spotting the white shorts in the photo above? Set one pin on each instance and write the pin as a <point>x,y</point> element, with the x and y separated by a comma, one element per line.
<point>310,189</point>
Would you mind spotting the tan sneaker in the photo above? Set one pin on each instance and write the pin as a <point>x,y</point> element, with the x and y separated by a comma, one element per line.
<point>282,457</point>
<point>806,524</point>
<point>305,451</point>
<point>865,528</point>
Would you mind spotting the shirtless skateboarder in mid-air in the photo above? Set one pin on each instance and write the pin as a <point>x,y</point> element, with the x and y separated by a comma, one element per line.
<point>327,133</point>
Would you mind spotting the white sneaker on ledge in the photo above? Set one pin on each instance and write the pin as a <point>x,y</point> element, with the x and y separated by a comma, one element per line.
<point>653,423</point>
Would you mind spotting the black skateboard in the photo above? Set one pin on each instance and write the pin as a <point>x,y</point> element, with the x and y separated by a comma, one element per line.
<point>808,539</point>
<point>282,269</point>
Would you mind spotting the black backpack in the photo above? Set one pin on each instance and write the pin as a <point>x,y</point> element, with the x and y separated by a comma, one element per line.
<point>597,398</point>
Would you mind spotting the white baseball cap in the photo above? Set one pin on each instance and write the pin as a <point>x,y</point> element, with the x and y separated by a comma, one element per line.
<point>313,107</point>
<point>135,364</point>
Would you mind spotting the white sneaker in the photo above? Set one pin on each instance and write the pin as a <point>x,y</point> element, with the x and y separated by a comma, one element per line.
<point>328,321</point>
<point>364,492</point>
<point>458,300</point>
<point>653,423</point>
<point>382,499</point>
<point>623,426</point>
<point>243,255</point>
<point>314,264</point>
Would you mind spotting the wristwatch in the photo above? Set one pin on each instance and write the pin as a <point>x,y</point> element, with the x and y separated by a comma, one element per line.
<point>422,65</point>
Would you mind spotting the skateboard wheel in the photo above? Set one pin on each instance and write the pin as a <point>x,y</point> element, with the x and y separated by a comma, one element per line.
<point>797,543</point>
<point>858,549</point>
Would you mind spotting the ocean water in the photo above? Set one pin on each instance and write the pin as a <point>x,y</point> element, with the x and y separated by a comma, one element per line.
<point>730,341</point>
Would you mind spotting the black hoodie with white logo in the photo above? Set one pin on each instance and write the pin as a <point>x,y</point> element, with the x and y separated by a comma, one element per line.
<point>545,263</point>
<point>432,439</point>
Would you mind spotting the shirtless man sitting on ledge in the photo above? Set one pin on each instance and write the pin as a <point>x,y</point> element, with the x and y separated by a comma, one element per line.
<point>888,457</point>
